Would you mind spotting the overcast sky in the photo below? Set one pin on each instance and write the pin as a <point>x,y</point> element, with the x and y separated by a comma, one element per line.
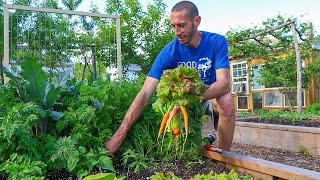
<point>222,15</point>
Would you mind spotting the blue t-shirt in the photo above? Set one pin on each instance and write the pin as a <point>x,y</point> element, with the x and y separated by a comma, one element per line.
<point>210,55</point>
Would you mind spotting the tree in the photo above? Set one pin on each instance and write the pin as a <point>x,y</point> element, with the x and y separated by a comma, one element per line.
<point>281,72</point>
<point>143,33</point>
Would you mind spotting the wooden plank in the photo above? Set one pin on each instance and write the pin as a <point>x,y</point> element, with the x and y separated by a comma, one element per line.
<point>312,130</point>
<point>270,30</point>
<point>263,166</point>
<point>60,11</point>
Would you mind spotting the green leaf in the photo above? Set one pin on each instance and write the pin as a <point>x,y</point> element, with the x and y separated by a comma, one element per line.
<point>81,173</point>
<point>82,149</point>
<point>101,176</point>
<point>105,162</point>
<point>72,160</point>
<point>51,95</point>
<point>36,78</point>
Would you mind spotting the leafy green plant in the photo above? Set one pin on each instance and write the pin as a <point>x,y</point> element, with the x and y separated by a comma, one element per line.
<point>22,167</point>
<point>314,108</point>
<point>232,175</point>
<point>17,131</point>
<point>303,150</point>
<point>103,176</point>
<point>32,84</point>
<point>72,141</point>
<point>284,116</point>
<point>134,160</point>
<point>69,154</point>
<point>165,176</point>
<point>191,164</point>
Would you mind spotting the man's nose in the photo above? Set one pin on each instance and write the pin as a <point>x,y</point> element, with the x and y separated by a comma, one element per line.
<point>177,30</point>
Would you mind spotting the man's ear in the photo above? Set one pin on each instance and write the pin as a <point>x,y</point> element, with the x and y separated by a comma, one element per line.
<point>197,20</point>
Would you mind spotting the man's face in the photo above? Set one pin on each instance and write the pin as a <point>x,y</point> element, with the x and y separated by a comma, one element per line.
<point>184,27</point>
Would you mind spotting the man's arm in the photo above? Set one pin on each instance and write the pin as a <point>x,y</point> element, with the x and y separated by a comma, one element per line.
<point>220,87</point>
<point>132,115</point>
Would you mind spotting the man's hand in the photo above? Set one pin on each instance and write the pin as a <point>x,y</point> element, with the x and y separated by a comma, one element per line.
<point>132,114</point>
<point>111,147</point>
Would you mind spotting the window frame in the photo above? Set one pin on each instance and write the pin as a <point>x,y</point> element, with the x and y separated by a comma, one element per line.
<point>246,82</point>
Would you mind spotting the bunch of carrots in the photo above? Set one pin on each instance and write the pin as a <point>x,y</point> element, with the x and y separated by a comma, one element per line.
<point>178,88</point>
<point>168,116</point>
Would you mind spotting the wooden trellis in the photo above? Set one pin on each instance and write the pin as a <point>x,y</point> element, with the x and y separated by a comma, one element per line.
<point>19,41</point>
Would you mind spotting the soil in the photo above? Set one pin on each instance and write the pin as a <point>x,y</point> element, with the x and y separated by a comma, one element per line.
<point>182,169</point>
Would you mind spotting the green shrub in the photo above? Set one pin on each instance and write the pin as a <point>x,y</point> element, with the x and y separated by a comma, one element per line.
<point>314,108</point>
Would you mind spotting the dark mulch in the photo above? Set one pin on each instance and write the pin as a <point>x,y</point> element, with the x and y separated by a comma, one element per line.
<point>61,175</point>
<point>182,169</point>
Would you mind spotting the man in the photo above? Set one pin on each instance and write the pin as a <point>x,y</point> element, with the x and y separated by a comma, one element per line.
<point>208,52</point>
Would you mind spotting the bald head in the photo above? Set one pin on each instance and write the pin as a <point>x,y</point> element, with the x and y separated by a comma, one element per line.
<point>190,8</point>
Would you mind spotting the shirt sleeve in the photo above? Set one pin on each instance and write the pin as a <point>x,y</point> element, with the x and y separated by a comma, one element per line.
<point>222,59</point>
<point>162,62</point>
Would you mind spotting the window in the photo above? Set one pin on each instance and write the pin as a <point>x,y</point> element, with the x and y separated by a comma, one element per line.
<point>256,73</point>
<point>242,102</point>
<point>273,99</point>
<point>239,78</point>
<point>292,97</point>
<point>257,100</point>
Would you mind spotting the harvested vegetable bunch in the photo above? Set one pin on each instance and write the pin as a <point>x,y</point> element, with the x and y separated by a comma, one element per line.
<point>181,85</point>
<point>178,88</point>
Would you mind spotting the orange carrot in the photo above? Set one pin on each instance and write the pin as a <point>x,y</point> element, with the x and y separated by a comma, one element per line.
<point>163,123</point>
<point>172,114</point>
<point>185,118</point>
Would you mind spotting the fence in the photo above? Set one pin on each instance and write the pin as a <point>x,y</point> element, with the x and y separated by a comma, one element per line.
<point>59,37</point>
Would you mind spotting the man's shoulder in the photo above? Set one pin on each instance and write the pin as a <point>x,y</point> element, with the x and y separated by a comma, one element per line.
<point>172,43</point>
<point>215,38</point>
<point>212,34</point>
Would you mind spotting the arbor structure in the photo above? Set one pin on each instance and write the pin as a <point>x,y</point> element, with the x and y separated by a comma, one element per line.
<point>276,40</point>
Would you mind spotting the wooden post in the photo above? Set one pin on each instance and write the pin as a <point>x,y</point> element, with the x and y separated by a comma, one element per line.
<point>5,60</point>
<point>298,59</point>
<point>313,89</point>
<point>94,63</point>
<point>118,37</point>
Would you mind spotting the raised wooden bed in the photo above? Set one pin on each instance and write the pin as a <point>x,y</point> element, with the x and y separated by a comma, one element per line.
<point>284,137</point>
<point>261,169</point>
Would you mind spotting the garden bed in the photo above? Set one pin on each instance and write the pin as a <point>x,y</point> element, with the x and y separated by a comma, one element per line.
<point>297,159</point>
<point>312,122</point>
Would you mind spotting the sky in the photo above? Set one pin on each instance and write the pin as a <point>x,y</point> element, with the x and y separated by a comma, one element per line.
<point>222,15</point>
